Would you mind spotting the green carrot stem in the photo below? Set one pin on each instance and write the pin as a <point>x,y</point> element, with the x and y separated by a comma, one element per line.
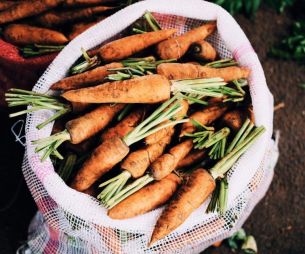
<point>154,25</point>
<point>89,63</point>
<point>222,63</point>
<point>246,133</point>
<point>223,196</point>
<point>126,110</point>
<point>53,118</point>
<point>66,167</point>
<point>138,31</point>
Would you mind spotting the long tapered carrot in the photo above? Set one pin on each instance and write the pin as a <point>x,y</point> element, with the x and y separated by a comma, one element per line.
<point>86,78</point>
<point>146,89</point>
<point>202,50</point>
<point>127,46</point>
<point>204,117</point>
<point>146,199</point>
<point>89,124</point>
<point>126,125</point>
<point>151,139</point>
<point>190,71</point>
<point>168,162</point>
<point>189,197</point>
<point>192,158</point>
<point>6,4</point>
<point>25,9</point>
<point>176,47</point>
<point>56,18</point>
<point>20,34</point>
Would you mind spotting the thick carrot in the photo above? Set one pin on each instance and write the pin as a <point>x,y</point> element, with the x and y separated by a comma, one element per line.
<point>127,46</point>
<point>168,162</point>
<point>6,4</point>
<point>138,161</point>
<point>77,3</point>
<point>191,71</point>
<point>203,50</point>
<point>79,28</point>
<point>126,125</point>
<point>192,158</point>
<point>146,89</point>
<point>109,152</point>
<point>86,78</point>
<point>25,9</point>
<point>78,107</point>
<point>146,199</point>
<point>204,117</point>
<point>56,18</point>
<point>20,34</point>
<point>190,196</point>
<point>153,138</point>
<point>91,123</point>
<point>175,48</point>
<point>234,119</point>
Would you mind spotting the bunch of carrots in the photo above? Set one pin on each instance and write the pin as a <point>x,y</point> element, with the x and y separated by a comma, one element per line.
<point>150,119</point>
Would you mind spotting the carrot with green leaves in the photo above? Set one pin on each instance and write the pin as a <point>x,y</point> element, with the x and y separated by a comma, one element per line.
<point>24,9</point>
<point>177,46</point>
<point>112,151</point>
<point>20,34</point>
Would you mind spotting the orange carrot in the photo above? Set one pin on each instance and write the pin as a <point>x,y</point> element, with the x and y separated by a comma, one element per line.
<point>56,18</point>
<point>25,9</point>
<point>86,78</point>
<point>153,138</point>
<point>19,34</point>
<point>175,48</point>
<point>109,153</point>
<point>91,123</point>
<point>79,28</point>
<point>234,119</point>
<point>78,107</point>
<point>146,89</point>
<point>76,3</point>
<point>126,125</point>
<point>6,4</point>
<point>203,50</point>
<point>191,71</point>
<point>190,196</point>
<point>192,158</point>
<point>146,199</point>
<point>127,46</point>
<point>168,162</point>
<point>204,117</point>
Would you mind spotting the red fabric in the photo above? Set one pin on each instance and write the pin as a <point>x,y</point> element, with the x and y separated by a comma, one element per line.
<point>18,72</point>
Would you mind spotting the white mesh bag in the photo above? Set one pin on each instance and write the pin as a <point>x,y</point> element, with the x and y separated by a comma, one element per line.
<point>72,222</point>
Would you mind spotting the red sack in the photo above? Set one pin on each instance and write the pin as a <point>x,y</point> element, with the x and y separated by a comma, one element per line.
<point>19,72</point>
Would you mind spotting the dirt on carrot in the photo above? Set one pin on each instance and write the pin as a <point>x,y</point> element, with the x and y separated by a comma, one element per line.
<point>202,50</point>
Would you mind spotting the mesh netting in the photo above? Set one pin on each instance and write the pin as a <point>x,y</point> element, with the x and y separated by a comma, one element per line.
<point>72,222</point>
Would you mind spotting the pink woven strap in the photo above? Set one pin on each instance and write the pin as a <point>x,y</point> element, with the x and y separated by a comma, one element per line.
<point>242,50</point>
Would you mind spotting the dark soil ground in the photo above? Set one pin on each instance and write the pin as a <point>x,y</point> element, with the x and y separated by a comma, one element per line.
<point>278,222</point>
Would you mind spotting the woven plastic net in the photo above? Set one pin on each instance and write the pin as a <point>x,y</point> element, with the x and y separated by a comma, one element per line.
<point>72,222</point>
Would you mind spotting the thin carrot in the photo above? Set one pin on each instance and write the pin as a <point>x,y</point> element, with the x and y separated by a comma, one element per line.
<point>191,71</point>
<point>176,47</point>
<point>205,117</point>
<point>20,34</point>
<point>151,139</point>
<point>127,46</point>
<point>56,18</point>
<point>146,199</point>
<point>146,89</point>
<point>168,162</point>
<point>25,9</point>
<point>202,50</point>
<point>192,158</point>
<point>86,78</point>
<point>6,4</point>
<point>190,196</point>
<point>126,125</point>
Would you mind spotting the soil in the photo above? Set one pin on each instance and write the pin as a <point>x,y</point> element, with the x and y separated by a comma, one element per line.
<point>278,221</point>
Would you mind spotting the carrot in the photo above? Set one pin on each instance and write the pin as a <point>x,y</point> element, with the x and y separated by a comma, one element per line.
<point>191,71</point>
<point>168,162</point>
<point>217,244</point>
<point>192,158</point>
<point>126,125</point>
<point>78,107</point>
<point>203,50</point>
<point>82,147</point>
<point>127,46</point>
<point>234,119</point>
<point>146,89</point>
<point>146,199</point>
<point>204,117</point>
<point>20,34</point>
<point>56,18</point>
<point>91,191</point>
<point>176,47</point>
<point>25,9</point>
<point>79,28</point>
<point>190,196</point>
<point>86,78</point>
<point>6,4</point>
<point>78,130</point>
<point>151,139</point>
<point>76,3</point>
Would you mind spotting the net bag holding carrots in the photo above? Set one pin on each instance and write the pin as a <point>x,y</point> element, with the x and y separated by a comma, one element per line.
<point>72,222</point>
